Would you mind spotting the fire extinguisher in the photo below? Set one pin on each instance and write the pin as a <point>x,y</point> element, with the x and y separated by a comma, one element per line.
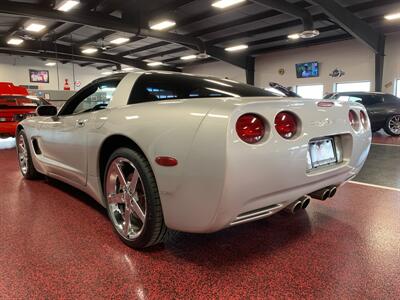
<point>66,85</point>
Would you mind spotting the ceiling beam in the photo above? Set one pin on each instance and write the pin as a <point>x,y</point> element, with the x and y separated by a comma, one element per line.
<point>352,24</point>
<point>157,54</point>
<point>58,50</point>
<point>58,35</point>
<point>96,20</point>
<point>94,38</point>
<point>290,9</point>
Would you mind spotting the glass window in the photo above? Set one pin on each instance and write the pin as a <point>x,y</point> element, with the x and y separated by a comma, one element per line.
<point>311,91</point>
<point>97,100</point>
<point>391,99</point>
<point>363,86</point>
<point>398,87</point>
<point>155,86</point>
<point>372,99</point>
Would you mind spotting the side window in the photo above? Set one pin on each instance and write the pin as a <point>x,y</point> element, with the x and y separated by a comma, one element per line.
<point>372,99</point>
<point>97,100</point>
<point>391,99</point>
<point>161,93</point>
<point>355,99</point>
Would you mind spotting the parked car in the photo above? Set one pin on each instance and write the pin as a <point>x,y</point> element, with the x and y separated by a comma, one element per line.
<point>167,151</point>
<point>15,105</point>
<point>383,109</point>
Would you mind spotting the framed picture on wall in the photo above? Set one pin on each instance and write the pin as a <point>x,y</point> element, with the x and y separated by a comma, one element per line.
<point>40,76</point>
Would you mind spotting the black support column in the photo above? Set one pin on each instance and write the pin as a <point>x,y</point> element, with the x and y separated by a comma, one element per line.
<point>250,69</point>
<point>379,64</point>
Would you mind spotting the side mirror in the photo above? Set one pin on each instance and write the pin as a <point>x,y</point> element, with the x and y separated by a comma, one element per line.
<point>46,111</point>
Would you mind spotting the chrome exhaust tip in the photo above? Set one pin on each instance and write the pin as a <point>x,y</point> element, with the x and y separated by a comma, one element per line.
<point>322,194</point>
<point>332,192</point>
<point>305,202</point>
<point>293,207</point>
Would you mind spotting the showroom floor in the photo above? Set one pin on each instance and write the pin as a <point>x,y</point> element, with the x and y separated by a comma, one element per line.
<point>56,242</point>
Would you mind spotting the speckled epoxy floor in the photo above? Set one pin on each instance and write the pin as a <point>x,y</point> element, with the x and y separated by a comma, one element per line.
<point>57,243</point>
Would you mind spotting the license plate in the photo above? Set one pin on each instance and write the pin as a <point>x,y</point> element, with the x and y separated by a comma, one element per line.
<point>322,152</point>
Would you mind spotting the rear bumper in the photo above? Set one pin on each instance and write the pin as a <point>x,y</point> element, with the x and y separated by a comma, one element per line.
<point>8,129</point>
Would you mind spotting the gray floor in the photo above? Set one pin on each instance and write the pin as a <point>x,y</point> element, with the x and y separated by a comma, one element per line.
<point>382,166</point>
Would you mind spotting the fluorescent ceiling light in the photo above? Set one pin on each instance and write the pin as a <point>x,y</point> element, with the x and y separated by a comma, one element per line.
<point>155,64</point>
<point>226,3</point>
<point>107,73</point>
<point>163,25</point>
<point>34,27</point>
<point>51,64</point>
<point>67,5</point>
<point>236,48</point>
<point>189,57</point>
<point>119,41</point>
<point>15,41</point>
<point>294,36</point>
<point>393,16</point>
<point>127,69</point>
<point>89,50</point>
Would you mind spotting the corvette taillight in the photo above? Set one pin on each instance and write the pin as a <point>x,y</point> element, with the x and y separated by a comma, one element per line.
<point>250,128</point>
<point>364,119</point>
<point>286,124</point>
<point>353,119</point>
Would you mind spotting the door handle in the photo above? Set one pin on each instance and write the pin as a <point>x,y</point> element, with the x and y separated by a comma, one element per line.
<point>81,123</point>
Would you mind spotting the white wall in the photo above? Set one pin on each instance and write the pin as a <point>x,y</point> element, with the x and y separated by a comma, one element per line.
<point>15,69</point>
<point>353,57</point>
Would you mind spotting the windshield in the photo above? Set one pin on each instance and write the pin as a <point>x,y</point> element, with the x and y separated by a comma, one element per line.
<point>26,101</point>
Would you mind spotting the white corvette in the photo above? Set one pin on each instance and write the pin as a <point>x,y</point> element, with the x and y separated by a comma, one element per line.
<point>168,151</point>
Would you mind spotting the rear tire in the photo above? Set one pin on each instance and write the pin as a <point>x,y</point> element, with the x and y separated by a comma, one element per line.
<point>392,126</point>
<point>132,199</point>
<point>25,157</point>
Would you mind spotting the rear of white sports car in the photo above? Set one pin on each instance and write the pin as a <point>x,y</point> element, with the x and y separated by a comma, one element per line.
<point>253,157</point>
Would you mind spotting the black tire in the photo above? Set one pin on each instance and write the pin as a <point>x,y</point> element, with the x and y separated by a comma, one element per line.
<point>153,230</point>
<point>30,172</point>
<point>387,128</point>
<point>375,129</point>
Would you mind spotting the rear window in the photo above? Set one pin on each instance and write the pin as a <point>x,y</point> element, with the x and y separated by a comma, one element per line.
<point>158,87</point>
<point>391,99</point>
<point>29,101</point>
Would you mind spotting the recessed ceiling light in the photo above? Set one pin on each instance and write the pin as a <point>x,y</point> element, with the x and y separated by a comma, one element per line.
<point>165,24</point>
<point>127,69</point>
<point>15,41</point>
<point>35,27</point>
<point>51,64</point>
<point>189,57</point>
<point>67,5</point>
<point>226,3</point>
<point>119,41</point>
<point>89,50</point>
<point>294,36</point>
<point>107,73</point>
<point>155,64</point>
<point>236,48</point>
<point>392,17</point>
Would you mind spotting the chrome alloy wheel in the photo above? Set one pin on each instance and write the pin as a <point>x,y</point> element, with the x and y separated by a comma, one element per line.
<point>126,198</point>
<point>22,154</point>
<point>394,124</point>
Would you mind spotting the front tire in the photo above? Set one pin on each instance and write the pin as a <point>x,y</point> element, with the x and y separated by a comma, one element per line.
<point>392,126</point>
<point>25,157</point>
<point>132,199</point>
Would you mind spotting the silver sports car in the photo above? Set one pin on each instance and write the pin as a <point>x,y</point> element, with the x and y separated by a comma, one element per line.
<point>169,151</point>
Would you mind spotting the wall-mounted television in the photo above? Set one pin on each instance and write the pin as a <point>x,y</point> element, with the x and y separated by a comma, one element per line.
<point>307,70</point>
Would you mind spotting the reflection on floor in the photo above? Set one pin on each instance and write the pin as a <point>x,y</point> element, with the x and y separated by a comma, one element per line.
<point>382,138</point>
<point>7,143</point>
<point>58,243</point>
<point>382,166</point>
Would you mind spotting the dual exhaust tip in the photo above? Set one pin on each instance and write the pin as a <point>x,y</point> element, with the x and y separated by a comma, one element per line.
<point>304,201</point>
<point>324,193</point>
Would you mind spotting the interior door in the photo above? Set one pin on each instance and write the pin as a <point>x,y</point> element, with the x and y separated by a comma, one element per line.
<point>63,139</point>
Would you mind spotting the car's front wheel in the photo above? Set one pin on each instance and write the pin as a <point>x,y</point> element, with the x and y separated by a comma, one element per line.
<point>392,126</point>
<point>25,157</point>
<point>132,199</point>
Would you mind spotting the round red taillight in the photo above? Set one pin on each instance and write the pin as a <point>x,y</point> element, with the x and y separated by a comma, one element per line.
<point>364,119</point>
<point>286,124</point>
<point>353,119</point>
<point>250,128</point>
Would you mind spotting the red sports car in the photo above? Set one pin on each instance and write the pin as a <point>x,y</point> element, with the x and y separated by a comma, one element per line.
<point>15,105</point>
